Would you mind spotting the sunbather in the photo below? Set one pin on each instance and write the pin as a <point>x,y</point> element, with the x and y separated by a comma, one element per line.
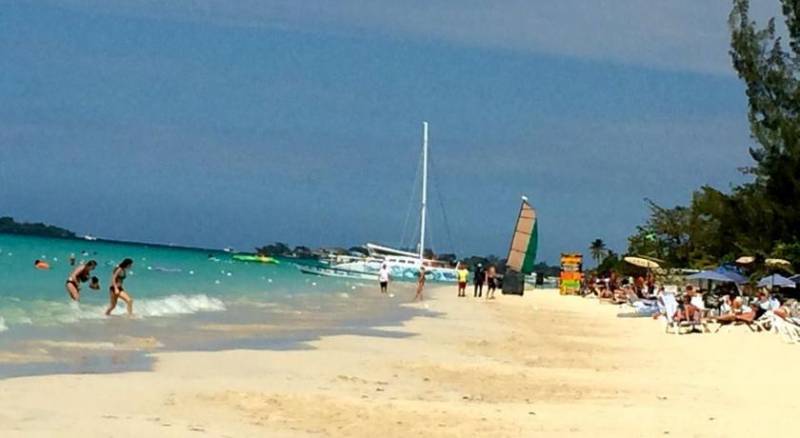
<point>740,312</point>
<point>725,306</point>
<point>688,311</point>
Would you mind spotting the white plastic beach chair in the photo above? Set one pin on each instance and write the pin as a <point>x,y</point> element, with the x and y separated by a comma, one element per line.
<point>789,331</point>
<point>670,309</point>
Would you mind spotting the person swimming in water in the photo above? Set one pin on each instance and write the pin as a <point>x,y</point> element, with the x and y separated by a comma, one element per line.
<point>116,290</point>
<point>41,265</point>
<point>77,276</point>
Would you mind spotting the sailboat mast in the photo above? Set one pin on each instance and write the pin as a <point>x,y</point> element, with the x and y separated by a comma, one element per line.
<point>424,190</point>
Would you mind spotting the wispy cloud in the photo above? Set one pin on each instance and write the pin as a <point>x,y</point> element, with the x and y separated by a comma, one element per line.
<point>684,35</point>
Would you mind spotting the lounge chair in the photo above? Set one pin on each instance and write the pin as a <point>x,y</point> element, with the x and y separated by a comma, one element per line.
<point>735,319</point>
<point>670,305</point>
<point>787,328</point>
<point>692,325</point>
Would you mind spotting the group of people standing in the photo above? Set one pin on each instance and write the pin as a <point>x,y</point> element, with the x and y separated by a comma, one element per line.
<point>83,274</point>
<point>481,276</point>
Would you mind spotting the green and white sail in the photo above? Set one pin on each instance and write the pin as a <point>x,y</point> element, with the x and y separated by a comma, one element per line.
<point>524,243</point>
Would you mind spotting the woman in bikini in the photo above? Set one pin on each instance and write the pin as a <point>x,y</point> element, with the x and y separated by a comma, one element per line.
<point>80,275</point>
<point>116,290</point>
<point>491,273</point>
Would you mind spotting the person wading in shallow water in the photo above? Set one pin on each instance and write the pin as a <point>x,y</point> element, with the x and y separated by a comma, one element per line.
<point>79,275</point>
<point>420,284</point>
<point>116,290</point>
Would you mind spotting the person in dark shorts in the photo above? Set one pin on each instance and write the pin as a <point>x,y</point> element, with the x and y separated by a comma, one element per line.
<point>79,275</point>
<point>478,279</point>
<point>491,282</point>
<point>383,278</point>
<point>116,290</point>
<point>420,283</point>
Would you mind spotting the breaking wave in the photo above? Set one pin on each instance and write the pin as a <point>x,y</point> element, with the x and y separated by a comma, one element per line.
<point>49,313</point>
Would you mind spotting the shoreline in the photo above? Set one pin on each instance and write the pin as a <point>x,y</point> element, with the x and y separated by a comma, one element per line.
<point>542,364</point>
<point>117,344</point>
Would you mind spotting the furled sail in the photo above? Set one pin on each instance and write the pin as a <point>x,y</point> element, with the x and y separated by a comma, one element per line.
<point>522,255</point>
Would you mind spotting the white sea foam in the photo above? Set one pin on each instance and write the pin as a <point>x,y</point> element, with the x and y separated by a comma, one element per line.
<point>176,305</point>
<point>47,313</point>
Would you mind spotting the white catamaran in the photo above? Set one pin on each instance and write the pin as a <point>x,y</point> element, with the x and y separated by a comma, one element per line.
<point>403,265</point>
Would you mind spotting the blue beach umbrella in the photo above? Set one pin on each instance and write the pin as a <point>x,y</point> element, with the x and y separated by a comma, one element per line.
<point>776,280</point>
<point>711,275</point>
<point>733,275</point>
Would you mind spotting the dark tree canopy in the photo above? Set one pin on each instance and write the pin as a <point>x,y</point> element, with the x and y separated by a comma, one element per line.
<point>761,217</point>
<point>9,226</point>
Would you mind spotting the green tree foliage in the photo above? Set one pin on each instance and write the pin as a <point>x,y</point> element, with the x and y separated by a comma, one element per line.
<point>274,250</point>
<point>771,73</point>
<point>611,262</point>
<point>762,217</point>
<point>598,250</point>
<point>665,235</point>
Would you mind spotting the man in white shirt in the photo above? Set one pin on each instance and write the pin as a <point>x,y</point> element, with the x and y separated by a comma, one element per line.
<point>383,278</point>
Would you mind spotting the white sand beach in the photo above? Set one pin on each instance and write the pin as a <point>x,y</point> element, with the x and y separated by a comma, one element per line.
<point>540,365</point>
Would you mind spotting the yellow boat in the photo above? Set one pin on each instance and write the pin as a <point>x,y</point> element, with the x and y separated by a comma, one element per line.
<point>255,258</point>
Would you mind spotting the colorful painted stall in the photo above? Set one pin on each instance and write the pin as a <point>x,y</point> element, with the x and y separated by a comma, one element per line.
<point>571,273</point>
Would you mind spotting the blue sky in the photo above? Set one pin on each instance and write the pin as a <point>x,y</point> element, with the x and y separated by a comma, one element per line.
<point>218,124</point>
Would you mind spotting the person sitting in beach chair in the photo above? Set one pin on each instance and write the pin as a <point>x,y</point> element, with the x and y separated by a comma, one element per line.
<point>740,313</point>
<point>624,295</point>
<point>697,300</point>
<point>725,305</point>
<point>689,315</point>
<point>603,291</point>
<point>689,310</point>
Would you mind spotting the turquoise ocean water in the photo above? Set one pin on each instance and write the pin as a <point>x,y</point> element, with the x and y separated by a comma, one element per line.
<point>183,299</point>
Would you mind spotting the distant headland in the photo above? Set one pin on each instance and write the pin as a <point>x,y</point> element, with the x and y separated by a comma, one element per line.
<point>9,226</point>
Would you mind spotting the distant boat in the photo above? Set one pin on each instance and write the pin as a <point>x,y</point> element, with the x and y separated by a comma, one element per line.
<point>228,249</point>
<point>328,271</point>
<point>402,265</point>
<point>89,237</point>
<point>254,258</point>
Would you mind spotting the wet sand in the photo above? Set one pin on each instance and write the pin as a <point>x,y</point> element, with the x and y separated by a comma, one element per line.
<point>540,365</point>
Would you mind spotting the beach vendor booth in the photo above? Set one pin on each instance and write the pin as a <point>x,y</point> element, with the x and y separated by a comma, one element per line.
<point>571,273</point>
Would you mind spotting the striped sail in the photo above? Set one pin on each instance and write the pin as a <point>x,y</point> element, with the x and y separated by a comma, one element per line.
<point>522,255</point>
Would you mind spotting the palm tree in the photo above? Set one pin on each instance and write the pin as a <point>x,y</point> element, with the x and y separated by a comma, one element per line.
<point>598,250</point>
